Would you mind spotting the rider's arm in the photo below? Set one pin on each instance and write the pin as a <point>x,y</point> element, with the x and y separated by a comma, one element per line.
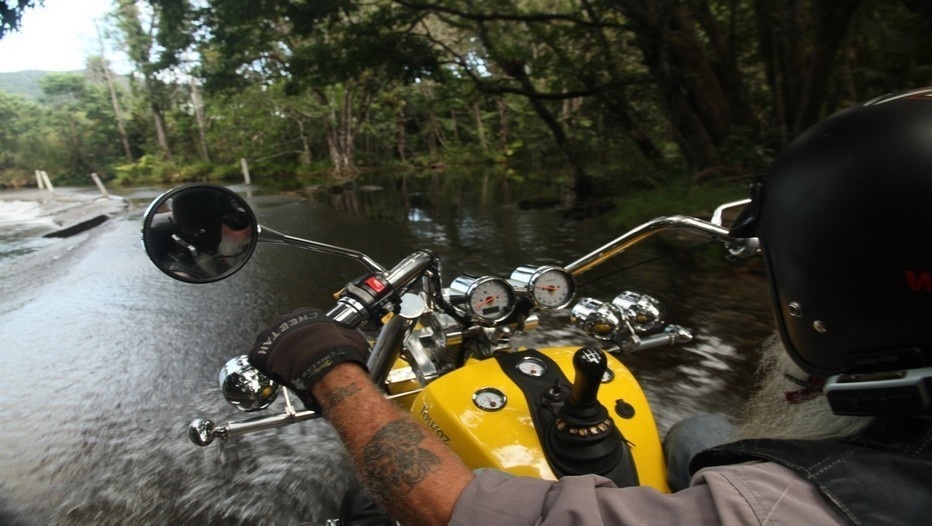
<point>750,493</point>
<point>409,472</point>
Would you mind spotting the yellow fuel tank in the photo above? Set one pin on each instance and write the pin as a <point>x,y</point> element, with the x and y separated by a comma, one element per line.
<point>480,413</point>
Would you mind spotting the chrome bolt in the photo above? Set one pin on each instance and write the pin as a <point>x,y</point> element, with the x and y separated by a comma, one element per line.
<point>795,309</point>
<point>819,327</point>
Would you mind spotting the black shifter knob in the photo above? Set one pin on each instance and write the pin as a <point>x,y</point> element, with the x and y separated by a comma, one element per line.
<point>583,438</point>
<point>590,364</point>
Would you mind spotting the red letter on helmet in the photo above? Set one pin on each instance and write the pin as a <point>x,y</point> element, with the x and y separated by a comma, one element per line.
<point>919,281</point>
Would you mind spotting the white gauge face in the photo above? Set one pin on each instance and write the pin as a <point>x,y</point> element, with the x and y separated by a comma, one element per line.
<point>552,288</point>
<point>532,366</point>
<point>491,299</point>
<point>489,399</point>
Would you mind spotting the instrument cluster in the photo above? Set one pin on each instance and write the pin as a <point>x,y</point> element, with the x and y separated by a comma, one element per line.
<point>490,300</point>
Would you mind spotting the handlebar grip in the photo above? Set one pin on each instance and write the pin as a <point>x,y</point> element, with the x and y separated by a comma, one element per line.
<point>349,312</point>
<point>363,298</point>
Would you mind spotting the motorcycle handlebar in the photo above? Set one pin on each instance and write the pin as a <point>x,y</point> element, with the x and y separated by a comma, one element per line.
<point>655,226</point>
<point>358,304</point>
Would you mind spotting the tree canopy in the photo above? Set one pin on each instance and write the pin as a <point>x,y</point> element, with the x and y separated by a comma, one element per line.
<point>622,88</point>
<point>11,12</point>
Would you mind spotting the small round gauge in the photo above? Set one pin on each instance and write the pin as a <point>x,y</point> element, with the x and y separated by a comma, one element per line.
<point>488,299</point>
<point>550,287</point>
<point>532,366</point>
<point>489,399</point>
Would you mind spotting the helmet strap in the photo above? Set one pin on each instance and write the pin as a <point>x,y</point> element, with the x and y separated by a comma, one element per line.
<point>811,388</point>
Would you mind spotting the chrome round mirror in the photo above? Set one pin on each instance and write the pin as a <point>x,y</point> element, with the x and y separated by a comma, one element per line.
<point>199,233</point>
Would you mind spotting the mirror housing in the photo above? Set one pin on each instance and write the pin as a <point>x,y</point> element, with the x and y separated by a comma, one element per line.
<point>199,233</point>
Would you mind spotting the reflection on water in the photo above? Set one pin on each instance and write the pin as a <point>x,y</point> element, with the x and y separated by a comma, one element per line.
<point>105,365</point>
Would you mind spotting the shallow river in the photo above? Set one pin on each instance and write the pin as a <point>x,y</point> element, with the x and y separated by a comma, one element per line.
<point>105,360</point>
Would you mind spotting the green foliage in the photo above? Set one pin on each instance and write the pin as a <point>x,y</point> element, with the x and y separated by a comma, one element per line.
<point>680,196</point>
<point>16,114</point>
<point>147,169</point>
<point>645,94</point>
<point>151,169</point>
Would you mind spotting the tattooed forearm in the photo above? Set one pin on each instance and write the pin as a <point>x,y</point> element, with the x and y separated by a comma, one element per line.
<point>393,462</point>
<point>340,394</point>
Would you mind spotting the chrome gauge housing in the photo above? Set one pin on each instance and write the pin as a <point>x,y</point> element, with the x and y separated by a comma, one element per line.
<point>487,299</point>
<point>548,287</point>
<point>645,313</point>
<point>600,319</point>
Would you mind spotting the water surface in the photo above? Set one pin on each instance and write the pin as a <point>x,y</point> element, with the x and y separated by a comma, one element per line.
<point>105,360</point>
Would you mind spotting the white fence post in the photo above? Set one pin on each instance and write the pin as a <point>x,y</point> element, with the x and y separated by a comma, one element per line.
<point>245,166</point>
<point>48,182</point>
<point>100,185</point>
<point>39,181</point>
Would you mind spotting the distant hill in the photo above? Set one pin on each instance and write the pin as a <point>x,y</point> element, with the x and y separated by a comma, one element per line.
<point>25,83</point>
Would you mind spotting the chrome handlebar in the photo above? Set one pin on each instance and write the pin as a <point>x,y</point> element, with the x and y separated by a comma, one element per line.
<point>736,246</point>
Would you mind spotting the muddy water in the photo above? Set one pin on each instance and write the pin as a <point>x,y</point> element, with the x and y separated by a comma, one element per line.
<point>105,360</point>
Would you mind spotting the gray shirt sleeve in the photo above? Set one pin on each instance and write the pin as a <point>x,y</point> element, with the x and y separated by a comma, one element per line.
<point>749,493</point>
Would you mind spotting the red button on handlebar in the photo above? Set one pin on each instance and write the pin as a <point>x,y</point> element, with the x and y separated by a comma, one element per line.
<point>374,283</point>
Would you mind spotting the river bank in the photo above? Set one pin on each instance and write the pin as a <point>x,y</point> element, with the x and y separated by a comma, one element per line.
<point>62,213</point>
<point>41,231</point>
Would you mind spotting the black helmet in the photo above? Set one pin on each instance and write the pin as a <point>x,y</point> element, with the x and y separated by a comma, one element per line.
<point>197,218</point>
<point>844,218</point>
<point>198,213</point>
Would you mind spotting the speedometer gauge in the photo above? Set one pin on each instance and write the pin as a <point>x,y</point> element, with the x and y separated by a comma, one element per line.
<point>487,298</point>
<point>548,287</point>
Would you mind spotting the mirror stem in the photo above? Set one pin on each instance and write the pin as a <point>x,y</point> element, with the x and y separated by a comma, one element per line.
<point>267,235</point>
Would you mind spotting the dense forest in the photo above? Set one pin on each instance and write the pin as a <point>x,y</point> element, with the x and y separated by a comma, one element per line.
<point>643,90</point>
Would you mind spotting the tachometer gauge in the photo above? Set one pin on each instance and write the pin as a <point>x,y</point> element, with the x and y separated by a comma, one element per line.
<point>488,299</point>
<point>548,287</point>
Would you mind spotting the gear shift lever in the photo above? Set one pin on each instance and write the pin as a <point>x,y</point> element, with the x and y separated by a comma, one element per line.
<point>583,438</point>
<point>590,365</point>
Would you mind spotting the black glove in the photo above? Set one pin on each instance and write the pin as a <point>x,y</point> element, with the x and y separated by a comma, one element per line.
<point>298,349</point>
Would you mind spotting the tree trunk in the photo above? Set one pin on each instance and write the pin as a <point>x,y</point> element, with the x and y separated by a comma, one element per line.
<point>160,133</point>
<point>702,92</point>
<point>580,184</point>
<point>618,105</point>
<point>339,129</point>
<point>400,132</point>
<point>305,143</point>
<point>117,112</point>
<point>454,125</point>
<point>114,100</point>
<point>201,120</point>
<point>504,134</point>
<point>480,128</point>
<point>798,45</point>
